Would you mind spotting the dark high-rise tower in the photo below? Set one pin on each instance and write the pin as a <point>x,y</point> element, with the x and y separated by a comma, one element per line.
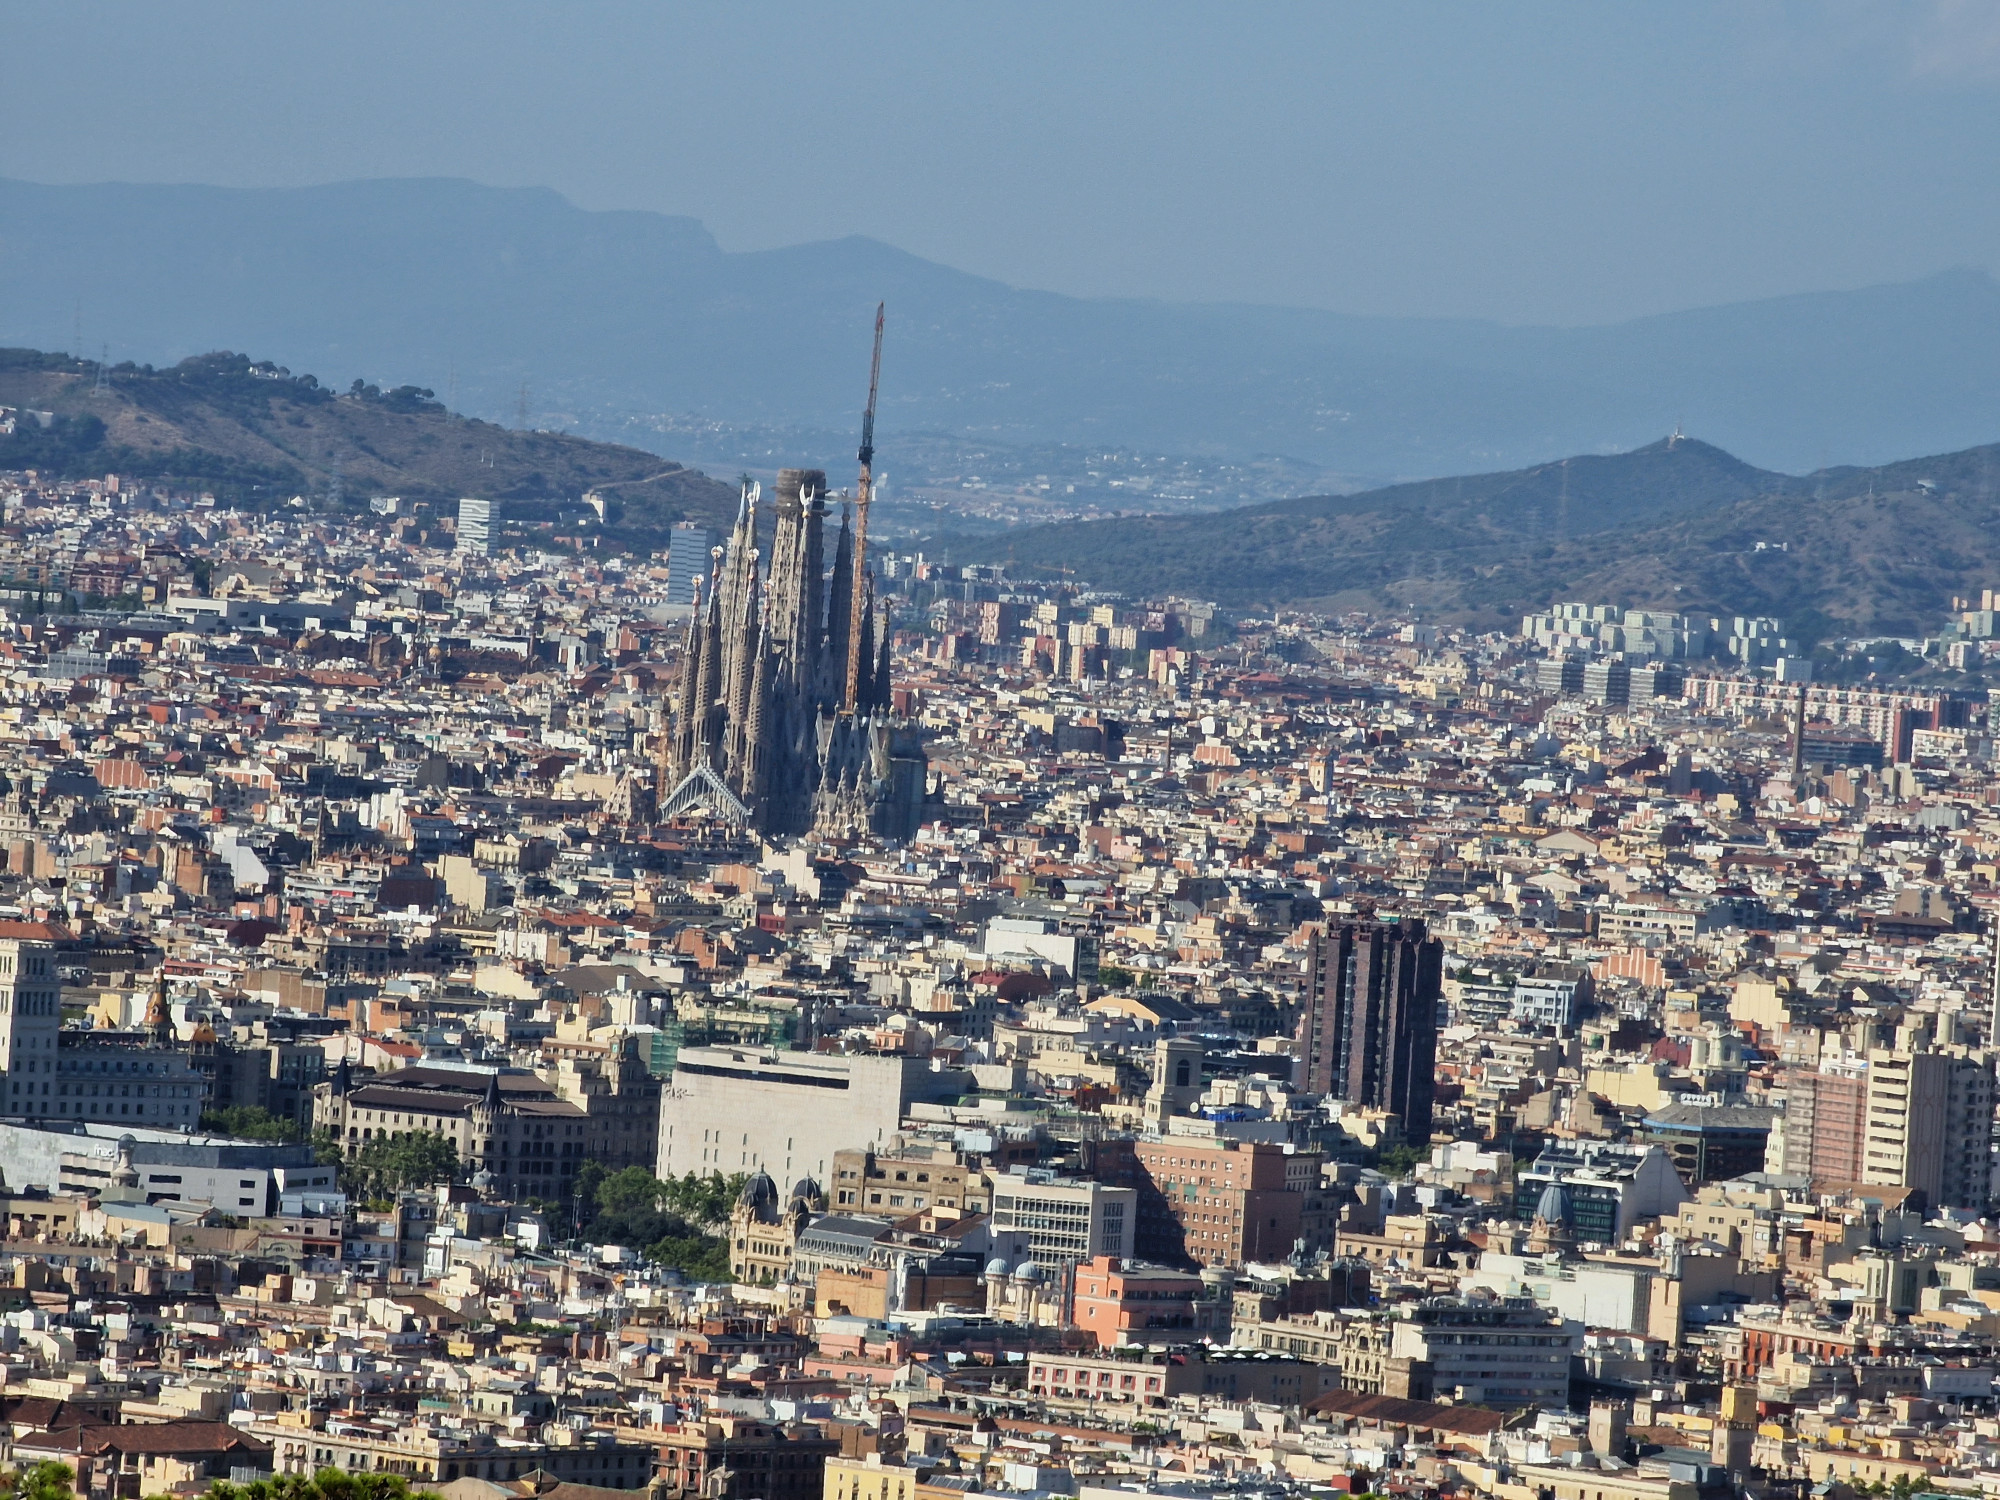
<point>1368,1029</point>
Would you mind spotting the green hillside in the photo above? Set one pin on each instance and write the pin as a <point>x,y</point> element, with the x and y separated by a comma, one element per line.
<point>257,436</point>
<point>1676,524</point>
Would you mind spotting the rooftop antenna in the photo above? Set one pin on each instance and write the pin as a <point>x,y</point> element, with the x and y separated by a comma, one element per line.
<point>858,602</point>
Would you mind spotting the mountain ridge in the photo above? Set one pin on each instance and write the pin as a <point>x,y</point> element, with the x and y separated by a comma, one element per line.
<point>605,314</point>
<point>1677,524</point>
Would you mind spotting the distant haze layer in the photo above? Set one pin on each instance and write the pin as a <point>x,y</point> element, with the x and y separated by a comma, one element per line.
<point>514,299</point>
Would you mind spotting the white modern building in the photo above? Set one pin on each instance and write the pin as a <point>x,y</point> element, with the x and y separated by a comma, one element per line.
<point>1552,996</point>
<point>1066,1219</point>
<point>1595,1294</point>
<point>475,526</point>
<point>738,1109</point>
<point>166,1166</point>
<point>1506,1352</point>
<point>1041,938</point>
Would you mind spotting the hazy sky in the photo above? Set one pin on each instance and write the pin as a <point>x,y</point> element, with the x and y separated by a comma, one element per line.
<point>1568,163</point>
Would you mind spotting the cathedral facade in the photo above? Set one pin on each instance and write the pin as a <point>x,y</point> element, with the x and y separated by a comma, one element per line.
<point>784,720</point>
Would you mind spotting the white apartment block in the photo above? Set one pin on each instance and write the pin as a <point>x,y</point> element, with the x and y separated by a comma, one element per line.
<point>1066,1219</point>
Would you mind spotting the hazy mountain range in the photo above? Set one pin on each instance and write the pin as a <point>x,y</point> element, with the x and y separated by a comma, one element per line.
<point>1676,523</point>
<point>474,291</point>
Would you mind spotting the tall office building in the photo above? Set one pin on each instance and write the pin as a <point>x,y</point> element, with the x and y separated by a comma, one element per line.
<point>475,526</point>
<point>687,560</point>
<point>1368,1030</point>
<point>1930,1124</point>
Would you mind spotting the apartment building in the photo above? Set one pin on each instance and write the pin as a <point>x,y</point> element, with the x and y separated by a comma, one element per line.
<point>1155,1376</point>
<point>910,1180</point>
<point>1368,1026</point>
<point>1490,1351</point>
<point>1128,1302</point>
<point>1356,1343</point>
<point>1819,1134</point>
<point>429,1453</point>
<point>1930,1124</point>
<point>1066,1219</point>
<point>1204,1201</point>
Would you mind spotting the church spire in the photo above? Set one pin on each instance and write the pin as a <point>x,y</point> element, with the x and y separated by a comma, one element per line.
<point>839,617</point>
<point>677,748</point>
<point>737,573</point>
<point>758,737</point>
<point>708,671</point>
<point>748,648</point>
<point>879,694</point>
<point>159,1019</point>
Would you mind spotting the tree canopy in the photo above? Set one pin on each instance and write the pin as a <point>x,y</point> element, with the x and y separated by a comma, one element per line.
<point>665,1219</point>
<point>251,1122</point>
<point>388,1164</point>
<point>327,1484</point>
<point>47,1480</point>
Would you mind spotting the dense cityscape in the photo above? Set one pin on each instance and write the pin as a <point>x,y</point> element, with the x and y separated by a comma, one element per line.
<point>780,1019</point>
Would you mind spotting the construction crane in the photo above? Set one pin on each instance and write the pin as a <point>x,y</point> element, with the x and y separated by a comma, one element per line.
<point>858,603</point>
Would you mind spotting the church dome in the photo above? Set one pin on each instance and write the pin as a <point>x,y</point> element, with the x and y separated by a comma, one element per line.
<point>1553,1206</point>
<point>759,1195</point>
<point>1028,1271</point>
<point>997,1266</point>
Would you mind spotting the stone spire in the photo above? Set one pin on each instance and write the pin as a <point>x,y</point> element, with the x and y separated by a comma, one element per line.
<point>794,585</point>
<point>707,680</point>
<point>863,695</point>
<point>812,583</point>
<point>748,647</point>
<point>879,694</point>
<point>734,585</point>
<point>677,764</point>
<point>832,680</point>
<point>759,751</point>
